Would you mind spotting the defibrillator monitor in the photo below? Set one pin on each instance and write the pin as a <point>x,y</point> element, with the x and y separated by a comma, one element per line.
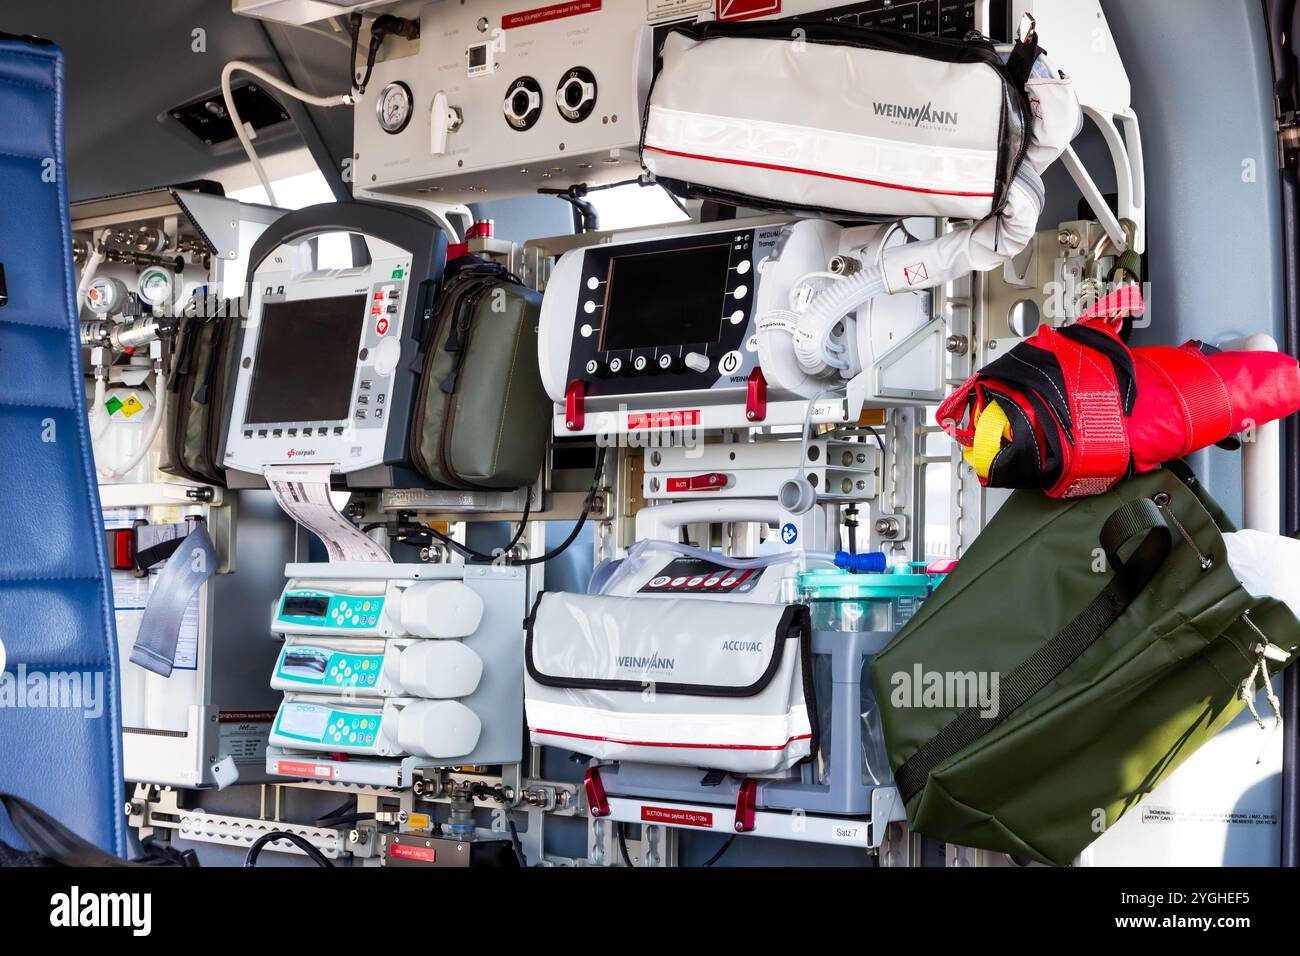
<point>325,372</point>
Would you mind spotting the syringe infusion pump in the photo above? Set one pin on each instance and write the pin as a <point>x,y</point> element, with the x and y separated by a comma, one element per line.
<point>671,330</point>
<point>325,371</point>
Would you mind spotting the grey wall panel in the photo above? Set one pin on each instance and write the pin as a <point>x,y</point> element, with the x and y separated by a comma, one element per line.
<point>1202,90</point>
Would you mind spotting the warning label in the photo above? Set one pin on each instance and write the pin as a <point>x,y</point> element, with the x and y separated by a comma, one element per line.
<point>677,419</point>
<point>745,9</point>
<point>556,11</point>
<point>677,816</point>
<point>294,768</point>
<point>1232,818</point>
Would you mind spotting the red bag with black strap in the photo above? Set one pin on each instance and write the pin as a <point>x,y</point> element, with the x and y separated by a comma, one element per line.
<point>1075,410</point>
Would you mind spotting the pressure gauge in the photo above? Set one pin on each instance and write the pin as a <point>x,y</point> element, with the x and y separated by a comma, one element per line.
<point>157,287</point>
<point>106,296</point>
<point>394,107</point>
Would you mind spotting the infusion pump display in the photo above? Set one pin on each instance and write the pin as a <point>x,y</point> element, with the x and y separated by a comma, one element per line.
<point>672,314</point>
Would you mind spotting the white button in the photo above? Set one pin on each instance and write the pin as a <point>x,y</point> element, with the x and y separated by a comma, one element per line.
<point>586,331</point>
<point>592,366</point>
<point>665,361</point>
<point>593,283</point>
<point>740,292</point>
<point>616,365</point>
<point>743,268</point>
<point>751,344</point>
<point>730,362</point>
<point>678,582</point>
<point>638,363</point>
<point>589,307</point>
<point>387,354</point>
<point>738,316</point>
<point>695,582</point>
<point>697,362</point>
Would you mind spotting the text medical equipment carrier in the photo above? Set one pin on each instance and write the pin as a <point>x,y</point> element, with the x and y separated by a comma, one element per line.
<point>1108,675</point>
<point>824,117</point>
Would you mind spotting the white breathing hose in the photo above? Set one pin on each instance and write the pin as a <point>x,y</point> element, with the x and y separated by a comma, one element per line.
<point>342,99</point>
<point>828,309</point>
<point>146,442</point>
<point>98,417</point>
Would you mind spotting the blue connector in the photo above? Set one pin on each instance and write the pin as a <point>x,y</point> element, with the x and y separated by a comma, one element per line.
<point>869,562</point>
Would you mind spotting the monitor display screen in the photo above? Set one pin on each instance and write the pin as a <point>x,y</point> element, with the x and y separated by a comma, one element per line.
<point>306,360</point>
<point>665,299</point>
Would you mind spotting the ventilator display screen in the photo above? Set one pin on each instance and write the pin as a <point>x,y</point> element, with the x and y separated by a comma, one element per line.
<point>306,360</point>
<point>665,299</point>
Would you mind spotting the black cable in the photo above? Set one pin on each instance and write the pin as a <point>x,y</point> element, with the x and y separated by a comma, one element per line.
<point>347,806</point>
<point>721,850</point>
<point>331,823</point>
<point>514,839</point>
<point>622,843</point>
<point>563,546</point>
<point>875,434</point>
<point>300,842</point>
<point>523,521</point>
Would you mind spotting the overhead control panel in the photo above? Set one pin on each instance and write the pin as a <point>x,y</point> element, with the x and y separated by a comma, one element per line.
<point>324,374</point>
<point>504,97</point>
<point>501,98</point>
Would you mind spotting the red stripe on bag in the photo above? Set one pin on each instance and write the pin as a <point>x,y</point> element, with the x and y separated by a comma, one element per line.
<point>815,172</point>
<point>655,743</point>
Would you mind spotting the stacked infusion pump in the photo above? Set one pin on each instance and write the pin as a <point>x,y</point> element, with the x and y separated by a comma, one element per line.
<point>385,668</point>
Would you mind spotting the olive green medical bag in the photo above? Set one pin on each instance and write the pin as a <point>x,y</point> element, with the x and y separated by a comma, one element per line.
<point>1077,655</point>
<point>481,417</point>
<point>194,419</point>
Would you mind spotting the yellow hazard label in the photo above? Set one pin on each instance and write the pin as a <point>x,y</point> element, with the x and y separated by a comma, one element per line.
<point>131,406</point>
<point>418,821</point>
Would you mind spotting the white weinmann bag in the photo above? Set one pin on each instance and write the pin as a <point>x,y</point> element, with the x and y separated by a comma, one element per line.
<point>698,683</point>
<point>832,119</point>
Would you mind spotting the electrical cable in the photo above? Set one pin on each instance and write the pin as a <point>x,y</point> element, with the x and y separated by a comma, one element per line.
<point>301,843</point>
<point>330,823</point>
<point>721,850</point>
<point>514,839</point>
<point>471,554</point>
<point>622,844</point>
<point>227,95</point>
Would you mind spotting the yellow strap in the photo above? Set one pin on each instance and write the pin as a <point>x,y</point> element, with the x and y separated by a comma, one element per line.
<point>991,427</point>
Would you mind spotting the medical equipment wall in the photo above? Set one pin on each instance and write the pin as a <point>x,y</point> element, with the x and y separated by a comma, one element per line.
<point>762,445</point>
<point>142,258</point>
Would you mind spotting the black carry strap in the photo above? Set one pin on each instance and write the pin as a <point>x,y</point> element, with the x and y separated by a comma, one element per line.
<point>53,844</point>
<point>50,839</point>
<point>1137,518</point>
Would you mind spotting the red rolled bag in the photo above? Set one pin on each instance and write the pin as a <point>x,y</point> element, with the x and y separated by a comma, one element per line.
<point>1075,410</point>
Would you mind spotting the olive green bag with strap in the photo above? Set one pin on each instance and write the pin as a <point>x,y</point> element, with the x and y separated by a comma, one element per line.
<point>1077,655</point>
<point>482,417</point>
<point>198,387</point>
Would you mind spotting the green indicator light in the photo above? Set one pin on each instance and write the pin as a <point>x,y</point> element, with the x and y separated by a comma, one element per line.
<point>398,273</point>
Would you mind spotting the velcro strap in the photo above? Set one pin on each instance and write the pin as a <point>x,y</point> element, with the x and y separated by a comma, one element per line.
<point>1201,397</point>
<point>1101,453</point>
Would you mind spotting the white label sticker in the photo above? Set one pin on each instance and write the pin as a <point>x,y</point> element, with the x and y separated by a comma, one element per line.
<point>666,9</point>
